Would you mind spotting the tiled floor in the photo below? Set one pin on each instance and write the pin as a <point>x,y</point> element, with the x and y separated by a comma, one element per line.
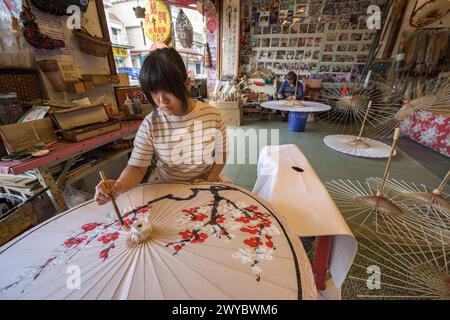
<point>414,163</point>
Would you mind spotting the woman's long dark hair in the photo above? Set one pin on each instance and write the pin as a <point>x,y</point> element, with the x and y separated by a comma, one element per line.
<point>164,70</point>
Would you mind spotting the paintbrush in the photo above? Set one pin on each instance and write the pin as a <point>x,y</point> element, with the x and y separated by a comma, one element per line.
<point>113,200</point>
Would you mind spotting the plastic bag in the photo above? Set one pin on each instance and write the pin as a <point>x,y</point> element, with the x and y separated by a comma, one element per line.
<point>74,197</point>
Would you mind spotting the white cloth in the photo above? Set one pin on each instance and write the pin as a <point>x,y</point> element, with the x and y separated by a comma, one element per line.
<point>305,203</point>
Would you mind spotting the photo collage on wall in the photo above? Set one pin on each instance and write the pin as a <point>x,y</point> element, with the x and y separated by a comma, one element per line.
<point>309,37</point>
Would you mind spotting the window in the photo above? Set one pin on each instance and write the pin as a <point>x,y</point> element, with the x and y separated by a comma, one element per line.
<point>126,33</point>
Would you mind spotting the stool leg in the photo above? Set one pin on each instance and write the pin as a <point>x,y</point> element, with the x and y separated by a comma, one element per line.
<point>321,260</point>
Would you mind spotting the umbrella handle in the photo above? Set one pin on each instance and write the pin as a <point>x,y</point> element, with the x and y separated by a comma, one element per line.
<point>364,121</point>
<point>442,184</point>
<point>388,165</point>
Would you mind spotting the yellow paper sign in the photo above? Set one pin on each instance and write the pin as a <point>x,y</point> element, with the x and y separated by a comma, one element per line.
<point>69,70</point>
<point>157,23</point>
<point>120,52</point>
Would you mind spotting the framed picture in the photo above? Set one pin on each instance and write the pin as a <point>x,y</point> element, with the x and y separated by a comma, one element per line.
<point>317,41</point>
<point>328,48</point>
<point>299,54</point>
<point>331,37</point>
<point>301,42</point>
<point>312,28</point>
<point>327,58</point>
<point>276,29</point>
<point>284,42</point>
<point>293,42</point>
<point>343,37</point>
<point>256,43</point>
<point>356,37</point>
<point>321,28</point>
<point>281,55</point>
<point>303,28</point>
<point>290,55</point>
<point>133,92</point>
<point>294,29</point>
<point>341,48</point>
<point>271,54</point>
<point>352,48</point>
<point>275,42</point>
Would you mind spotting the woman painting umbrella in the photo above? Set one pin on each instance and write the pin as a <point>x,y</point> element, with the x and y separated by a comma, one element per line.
<point>187,137</point>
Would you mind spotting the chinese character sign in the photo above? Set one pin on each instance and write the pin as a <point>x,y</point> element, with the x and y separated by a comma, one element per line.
<point>157,23</point>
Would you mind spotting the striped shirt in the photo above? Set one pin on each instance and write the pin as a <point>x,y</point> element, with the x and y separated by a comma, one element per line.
<point>185,147</point>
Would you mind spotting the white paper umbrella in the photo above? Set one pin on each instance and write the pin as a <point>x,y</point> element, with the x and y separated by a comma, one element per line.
<point>358,146</point>
<point>295,106</point>
<point>206,241</point>
<point>363,147</point>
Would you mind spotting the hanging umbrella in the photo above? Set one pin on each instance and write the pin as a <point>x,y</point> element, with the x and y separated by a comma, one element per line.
<point>205,241</point>
<point>429,13</point>
<point>358,146</point>
<point>348,144</point>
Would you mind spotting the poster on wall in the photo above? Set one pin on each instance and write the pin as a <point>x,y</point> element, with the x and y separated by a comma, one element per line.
<point>264,19</point>
<point>53,27</point>
<point>230,38</point>
<point>212,27</point>
<point>274,11</point>
<point>255,15</point>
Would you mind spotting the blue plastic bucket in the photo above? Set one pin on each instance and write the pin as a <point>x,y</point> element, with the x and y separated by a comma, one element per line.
<point>297,121</point>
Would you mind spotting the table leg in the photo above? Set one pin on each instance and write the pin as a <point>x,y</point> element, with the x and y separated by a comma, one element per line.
<point>321,260</point>
<point>46,179</point>
<point>62,176</point>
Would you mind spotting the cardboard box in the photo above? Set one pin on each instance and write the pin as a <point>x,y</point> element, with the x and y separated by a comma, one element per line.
<point>122,79</point>
<point>89,85</point>
<point>97,79</point>
<point>232,117</point>
<point>23,136</point>
<point>76,86</point>
<point>226,104</point>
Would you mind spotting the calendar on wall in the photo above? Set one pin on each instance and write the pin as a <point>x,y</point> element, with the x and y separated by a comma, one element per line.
<point>230,37</point>
<point>330,40</point>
